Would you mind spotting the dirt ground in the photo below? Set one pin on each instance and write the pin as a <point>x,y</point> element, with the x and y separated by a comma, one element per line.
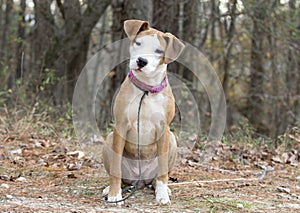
<point>38,174</point>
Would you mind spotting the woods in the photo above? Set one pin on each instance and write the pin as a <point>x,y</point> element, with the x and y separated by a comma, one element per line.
<point>252,45</point>
<point>63,61</point>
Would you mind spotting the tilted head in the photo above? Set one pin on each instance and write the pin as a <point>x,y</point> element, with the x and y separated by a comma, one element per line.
<point>150,49</point>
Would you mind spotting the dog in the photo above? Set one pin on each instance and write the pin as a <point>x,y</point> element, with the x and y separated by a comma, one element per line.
<point>143,152</point>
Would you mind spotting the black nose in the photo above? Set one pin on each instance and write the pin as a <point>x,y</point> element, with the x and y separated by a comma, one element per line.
<point>141,62</point>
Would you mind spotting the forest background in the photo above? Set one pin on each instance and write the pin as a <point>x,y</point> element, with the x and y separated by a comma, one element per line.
<point>253,45</point>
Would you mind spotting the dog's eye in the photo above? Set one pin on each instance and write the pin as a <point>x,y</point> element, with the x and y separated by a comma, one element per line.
<point>137,43</point>
<point>158,51</point>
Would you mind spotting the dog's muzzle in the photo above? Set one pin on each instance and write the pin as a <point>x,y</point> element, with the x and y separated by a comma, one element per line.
<point>141,62</point>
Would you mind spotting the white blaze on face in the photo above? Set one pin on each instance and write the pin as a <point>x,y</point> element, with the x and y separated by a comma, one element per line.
<point>149,48</point>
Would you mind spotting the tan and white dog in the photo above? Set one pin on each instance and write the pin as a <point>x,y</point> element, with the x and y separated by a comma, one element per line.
<point>150,52</point>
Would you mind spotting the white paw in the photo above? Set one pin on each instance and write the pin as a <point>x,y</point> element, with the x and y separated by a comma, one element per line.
<point>162,192</point>
<point>113,199</point>
<point>105,191</point>
<point>169,191</point>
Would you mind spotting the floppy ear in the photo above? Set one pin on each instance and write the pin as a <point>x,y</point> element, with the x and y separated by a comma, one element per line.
<point>133,27</point>
<point>173,49</point>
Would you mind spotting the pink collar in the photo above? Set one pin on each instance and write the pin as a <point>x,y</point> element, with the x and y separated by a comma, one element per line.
<point>145,87</point>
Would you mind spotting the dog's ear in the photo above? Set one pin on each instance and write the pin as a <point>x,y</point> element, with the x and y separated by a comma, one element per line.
<point>133,27</point>
<point>173,49</point>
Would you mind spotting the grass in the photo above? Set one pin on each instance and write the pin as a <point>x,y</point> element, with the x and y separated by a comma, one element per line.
<point>217,204</point>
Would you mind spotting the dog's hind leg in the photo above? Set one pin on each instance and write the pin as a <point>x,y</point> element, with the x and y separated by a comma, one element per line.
<point>172,151</point>
<point>106,152</point>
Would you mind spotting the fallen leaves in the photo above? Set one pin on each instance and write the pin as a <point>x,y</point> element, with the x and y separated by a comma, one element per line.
<point>246,154</point>
<point>40,154</point>
<point>4,186</point>
<point>283,189</point>
<point>291,158</point>
<point>39,168</point>
<point>21,179</point>
<point>9,178</point>
<point>72,176</point>
<point>74,166</point>
<point>78,154</point>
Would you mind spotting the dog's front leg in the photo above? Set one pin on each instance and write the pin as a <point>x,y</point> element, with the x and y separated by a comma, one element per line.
<point>115,176</point>
<point>161,190</point>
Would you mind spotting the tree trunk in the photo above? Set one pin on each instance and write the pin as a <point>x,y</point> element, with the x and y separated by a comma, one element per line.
<point>227,59</point>
<point>121,11</point>
<point>166,16</point>
<point>255,105</point>
<point>6,44</point>
<point>230,35</point>
<point>66,47</point>
<point>190,31</point>
<point>1,26</point>
<point>213,19</point>
<point>5,28</point>
<point>21,36</point>
<point>277,119</point>
<point>292,74</point>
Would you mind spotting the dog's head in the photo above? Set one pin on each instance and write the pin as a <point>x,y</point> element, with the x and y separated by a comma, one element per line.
<point>150,49</point>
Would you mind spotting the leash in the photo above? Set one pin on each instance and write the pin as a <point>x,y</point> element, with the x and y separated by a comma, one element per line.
<point>138,132</point>
<point>135,187</point>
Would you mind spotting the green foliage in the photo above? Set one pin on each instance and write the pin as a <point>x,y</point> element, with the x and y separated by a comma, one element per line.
<point>4,69</point>
<point>219,203</point>
<point>26,102</point>
<point>49,80</point>
<point>244,133</point>
<point>4,96</point>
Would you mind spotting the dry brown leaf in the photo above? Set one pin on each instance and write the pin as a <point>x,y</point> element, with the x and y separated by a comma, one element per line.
<point>72,176</point>
<point>276,159</point>
<point>74,166</point>
<point>293,160</point>
<point>294,137</point>
<point>285,157</point>
<point>78,154</point>
<point>45,143</point>
<point>284,189</point>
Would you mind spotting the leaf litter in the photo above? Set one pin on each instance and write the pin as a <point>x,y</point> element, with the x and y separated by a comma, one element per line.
<point>49,173</point>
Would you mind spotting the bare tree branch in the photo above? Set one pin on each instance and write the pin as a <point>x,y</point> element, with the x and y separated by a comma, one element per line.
<point>61,8</point>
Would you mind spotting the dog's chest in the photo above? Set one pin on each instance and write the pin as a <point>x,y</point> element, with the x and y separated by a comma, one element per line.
<point>151,120</point>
